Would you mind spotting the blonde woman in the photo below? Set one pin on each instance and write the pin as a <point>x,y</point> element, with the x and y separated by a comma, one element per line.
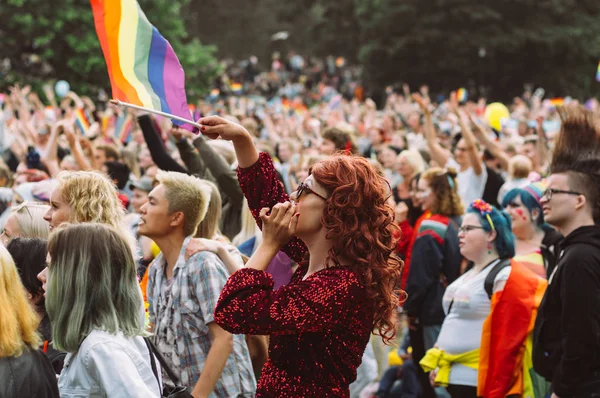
<point>85,196</point>
<point>26,221</point>
<point>24,370</point>
<point>88,197</point>
<point>92,299</point>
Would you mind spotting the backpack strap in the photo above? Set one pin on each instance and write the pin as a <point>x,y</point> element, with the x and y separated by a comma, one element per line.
<point>491,277</point>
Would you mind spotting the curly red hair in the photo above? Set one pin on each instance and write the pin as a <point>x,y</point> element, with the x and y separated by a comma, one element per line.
<point>362,228</point>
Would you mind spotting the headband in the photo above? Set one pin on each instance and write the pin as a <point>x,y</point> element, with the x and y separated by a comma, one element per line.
<point>485,209</point>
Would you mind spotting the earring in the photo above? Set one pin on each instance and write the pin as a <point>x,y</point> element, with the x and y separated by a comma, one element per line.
<point>489,248</point>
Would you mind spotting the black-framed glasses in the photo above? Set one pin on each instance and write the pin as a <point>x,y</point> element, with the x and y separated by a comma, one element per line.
<point>468,228</point>
<point>302,187</point>
<point>548,193</point>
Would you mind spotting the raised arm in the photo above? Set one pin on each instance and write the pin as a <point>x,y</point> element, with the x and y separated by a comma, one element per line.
<point>157,151</point>
<point>256,174</point>
<point>438,154</point>
<point>482,136</point>
<point>467,135</point>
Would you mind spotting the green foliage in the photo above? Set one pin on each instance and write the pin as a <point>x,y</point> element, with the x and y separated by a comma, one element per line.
<point>46,40</point>
<point>551,43</point>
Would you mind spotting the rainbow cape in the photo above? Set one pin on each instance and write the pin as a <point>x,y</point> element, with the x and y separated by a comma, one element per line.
<point>81,121</point>
<point>505,364</point>
<point>142,66</point>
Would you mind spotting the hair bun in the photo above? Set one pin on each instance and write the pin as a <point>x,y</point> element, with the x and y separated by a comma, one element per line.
<point>451,172</point>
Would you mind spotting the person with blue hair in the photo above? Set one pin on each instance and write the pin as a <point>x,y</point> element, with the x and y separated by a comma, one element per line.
<point>535,241</point>
<point>483,344</point>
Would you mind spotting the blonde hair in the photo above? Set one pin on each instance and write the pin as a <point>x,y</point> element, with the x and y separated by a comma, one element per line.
<point>414,159</point>
<point>249,228</point>
<point>19,322</point>
<point>92,197</point>
<point>131,161</point>
<point>92,284</point>
<point>185,194</point>
<point>30,219</point>
<point>209,226</point>
<point>519,166</point>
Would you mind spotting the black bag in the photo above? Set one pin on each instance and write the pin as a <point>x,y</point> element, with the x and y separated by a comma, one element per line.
<point>179,391</point>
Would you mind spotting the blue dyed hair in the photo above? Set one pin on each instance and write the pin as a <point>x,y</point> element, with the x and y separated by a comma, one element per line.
<point>505,241</point>
<point>528,201</point>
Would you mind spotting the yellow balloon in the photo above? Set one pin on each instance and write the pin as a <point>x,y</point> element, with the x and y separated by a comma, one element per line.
<point>494,113</point>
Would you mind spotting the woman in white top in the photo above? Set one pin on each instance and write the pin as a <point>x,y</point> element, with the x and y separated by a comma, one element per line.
<point>485,238</point>
<point>93,301</point>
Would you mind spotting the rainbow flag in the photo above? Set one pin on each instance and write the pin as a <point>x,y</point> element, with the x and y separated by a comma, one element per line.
<point>505,365</point>
<point>124,128</point>
<point>236,88</point>
<point>81,121</point>
<point>462,95</point>
<point>598,73</point>
<point>142,66</point>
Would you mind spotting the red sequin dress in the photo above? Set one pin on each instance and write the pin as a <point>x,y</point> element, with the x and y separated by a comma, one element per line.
<point>319,327</point>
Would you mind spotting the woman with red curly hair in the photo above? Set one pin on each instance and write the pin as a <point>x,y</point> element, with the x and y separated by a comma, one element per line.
<point>319,323</point>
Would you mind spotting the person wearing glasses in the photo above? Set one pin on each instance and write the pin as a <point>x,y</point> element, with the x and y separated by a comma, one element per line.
<point>536,242</point>
<point>567,329</point>
<point>27,221</point>
<point>482,349</point>
<point>320,322</point>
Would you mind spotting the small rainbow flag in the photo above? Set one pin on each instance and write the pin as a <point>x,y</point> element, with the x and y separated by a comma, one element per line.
<point>598,73</point>
<point>142,66</point>
<point>462,95</point>
<point>557,101</point>
<point>81,121</point>
<point>236,88</point>
<point>124,128</point>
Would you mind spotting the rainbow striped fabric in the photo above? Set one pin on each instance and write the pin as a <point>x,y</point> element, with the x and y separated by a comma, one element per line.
<point>598,73</point>
<point>142,66</point>
<point>81,121</point>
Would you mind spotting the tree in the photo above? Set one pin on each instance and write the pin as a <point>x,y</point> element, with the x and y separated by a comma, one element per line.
<point>43,40</point>
<point>550,43</point>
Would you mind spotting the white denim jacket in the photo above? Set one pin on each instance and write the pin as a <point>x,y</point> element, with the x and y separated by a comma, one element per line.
<point>108,365</point>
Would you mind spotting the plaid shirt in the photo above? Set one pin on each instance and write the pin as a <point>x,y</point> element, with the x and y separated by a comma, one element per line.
<point>181,309</point>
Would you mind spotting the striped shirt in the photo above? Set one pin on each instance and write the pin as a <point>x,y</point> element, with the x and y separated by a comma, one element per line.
<point>181,309</point>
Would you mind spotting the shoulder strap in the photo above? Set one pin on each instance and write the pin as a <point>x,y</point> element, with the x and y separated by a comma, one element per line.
<point>491,277</point>
<point>162,361</point>
<point>152,362</point>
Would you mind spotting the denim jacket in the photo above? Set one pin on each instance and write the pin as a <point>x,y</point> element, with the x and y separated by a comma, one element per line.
<point>108,365</point>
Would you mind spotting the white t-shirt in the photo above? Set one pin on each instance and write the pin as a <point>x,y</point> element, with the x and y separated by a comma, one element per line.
<point>470,185</point>
<point>461,330</point>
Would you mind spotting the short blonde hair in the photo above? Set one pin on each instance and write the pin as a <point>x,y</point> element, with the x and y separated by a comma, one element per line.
<point>18,328</point>
<point>519,166</point>
<point>185,194</point>
<point>92,197</point>
<point>209,226</point>
<point>414,159</point>
<point>30,219</point>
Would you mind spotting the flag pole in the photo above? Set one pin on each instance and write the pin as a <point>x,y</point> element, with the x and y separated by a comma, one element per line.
<point>141,108</point>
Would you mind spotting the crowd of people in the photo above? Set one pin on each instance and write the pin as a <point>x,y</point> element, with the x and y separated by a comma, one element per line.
<point>306,242</point>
